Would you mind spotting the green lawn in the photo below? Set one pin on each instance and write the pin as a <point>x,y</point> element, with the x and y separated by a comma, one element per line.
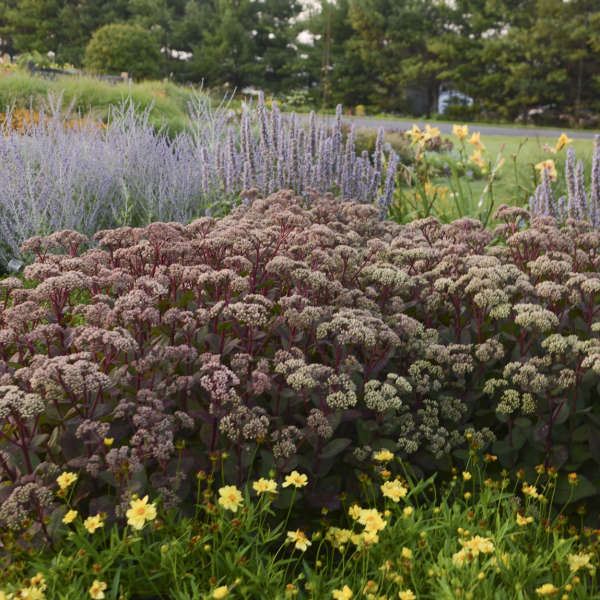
<point>516,179</point>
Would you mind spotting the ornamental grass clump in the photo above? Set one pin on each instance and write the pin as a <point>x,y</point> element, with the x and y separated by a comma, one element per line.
<point>293,335</point>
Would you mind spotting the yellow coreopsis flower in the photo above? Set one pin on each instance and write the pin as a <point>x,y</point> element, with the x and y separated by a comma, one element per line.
<point>563,140</point>
<point>406,553</point>
<point>265,485</point>
<point>299,539</point>
<point>383,456</point>
<point>547,590</point>
<point>406,595</point>
<point>522,521</point>
<point>371,519</point>
<point>69,517</point>
<point>31,593</point>
<point>530,490</point>
<point>393,490</point>
<point>475,140</point>
<point>344,594</point>
<point>466,475</point>
<point>93,523</point>
<point>578,561</point>
<point>338,537</point>
<point>460,131</point>
<point>66,479</point>
<point>140,512</point>
<point>369,537</point>
<point>296,479</point>
<point>354,511</point>
<point>478,544</point>
<point>97,589</point>
<point>231,497</point>
<point>459,558</point>
<point>408,510</point>
<point>549,166</point>
<point>220,592</point>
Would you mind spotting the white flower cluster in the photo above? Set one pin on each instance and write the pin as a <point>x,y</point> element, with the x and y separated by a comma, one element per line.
<point>385,396</point>
<point>15,402</point>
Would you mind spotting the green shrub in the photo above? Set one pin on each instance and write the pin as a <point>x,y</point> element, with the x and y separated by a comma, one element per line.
<point>121,48</point>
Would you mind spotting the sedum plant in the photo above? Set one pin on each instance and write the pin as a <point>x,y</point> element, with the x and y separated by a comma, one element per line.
<point>293,334</point>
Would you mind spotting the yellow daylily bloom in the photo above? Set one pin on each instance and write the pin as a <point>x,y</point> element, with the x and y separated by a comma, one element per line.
<point>415,133</point>
<point>563,140</point>
<point>477,159</point>
<point>460,131</point>
<point>549,166</point>
<point>431,132</point>
<point>475,141</point>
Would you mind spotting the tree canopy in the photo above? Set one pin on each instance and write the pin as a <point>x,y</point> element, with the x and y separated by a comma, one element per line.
<point>510,56</point>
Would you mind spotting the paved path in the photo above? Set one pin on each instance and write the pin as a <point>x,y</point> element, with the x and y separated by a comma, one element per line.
<point>446,128</point>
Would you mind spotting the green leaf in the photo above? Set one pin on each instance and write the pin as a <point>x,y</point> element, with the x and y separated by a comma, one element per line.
<point>335,447</point>
<point>562,414</point>
<point>114,590</point>
<point>365,431</point>
<point>584,489</point>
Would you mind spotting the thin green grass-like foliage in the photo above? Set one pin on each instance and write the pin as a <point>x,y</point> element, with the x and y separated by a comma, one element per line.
<point>490,537</point>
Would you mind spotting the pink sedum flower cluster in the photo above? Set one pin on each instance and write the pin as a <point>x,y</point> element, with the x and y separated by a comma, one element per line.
<point>313,333</point>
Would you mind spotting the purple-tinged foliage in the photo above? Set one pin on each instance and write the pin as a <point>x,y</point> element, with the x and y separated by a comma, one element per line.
<point>128,174</point>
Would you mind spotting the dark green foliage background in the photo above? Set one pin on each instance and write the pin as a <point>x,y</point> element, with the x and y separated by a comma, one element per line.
<point>388,55</point>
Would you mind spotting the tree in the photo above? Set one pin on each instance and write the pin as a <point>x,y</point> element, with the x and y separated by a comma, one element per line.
<point>119,47</point>
<point>337,75</point>
<point>220,35</point>
<point>79,20</point>
<point>240,42</point>
<point>33,25</point>
<point>276,44</point>
<point>392,40</point>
